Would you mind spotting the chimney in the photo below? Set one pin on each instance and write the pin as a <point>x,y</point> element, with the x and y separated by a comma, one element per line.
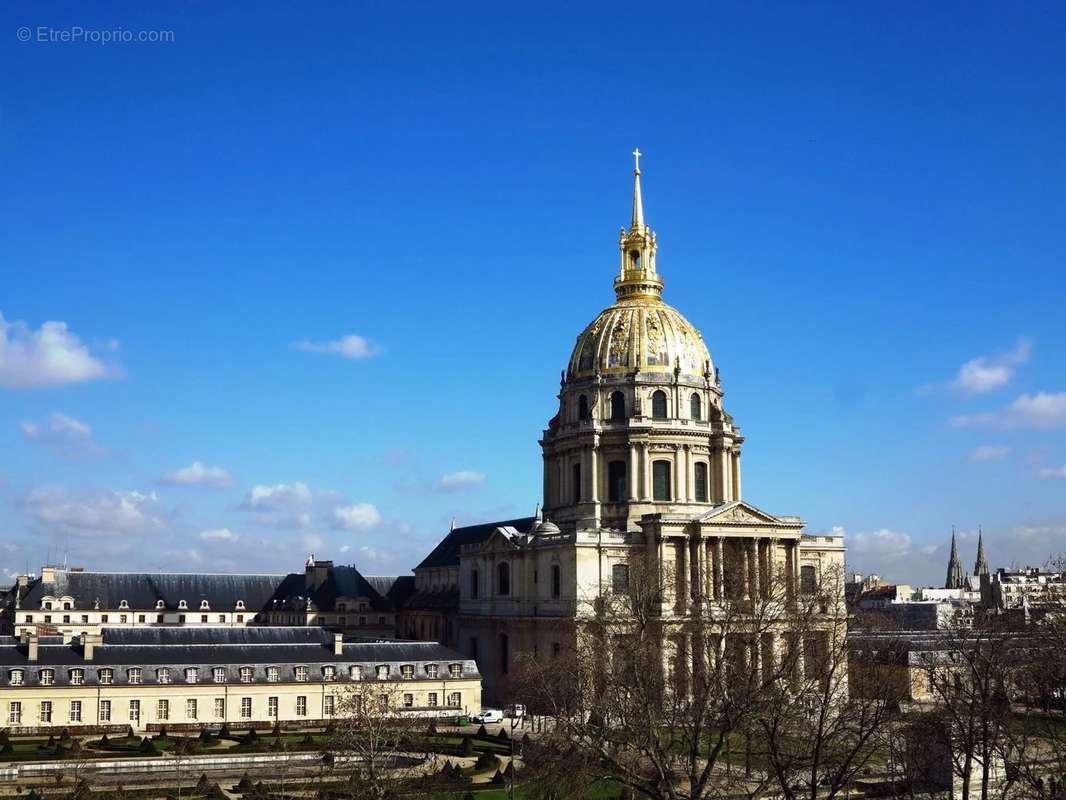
<point>316,572</point>
<point>89,641</point>
<point>30,639</point>
<point>48,574</point>
<point>338,644</point>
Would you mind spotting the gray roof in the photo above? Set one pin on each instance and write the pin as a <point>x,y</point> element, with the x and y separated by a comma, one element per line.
<point>446,553</point>
<point>382,593</point>
<point>143,590</point>
<point>206,648</point>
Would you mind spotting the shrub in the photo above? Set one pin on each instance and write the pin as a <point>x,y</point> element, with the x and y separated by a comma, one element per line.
<point>205,735</point>
<point>7,749</point>
<point>223,732</point>
<point>502,735</point>
<point>129,732</point>
<point>147,747</point>
<point>203,786</point>
<point>467,748</point>
<point>486,760</point>
<point>431,728</point>
<point>276,730</point>
<point>104,741</point>
<point>482,732</point>
<point>245,784</point>
<point>162,735</point>
<point>251,737</point>
<point>497,779</point>
<point>308,740</point>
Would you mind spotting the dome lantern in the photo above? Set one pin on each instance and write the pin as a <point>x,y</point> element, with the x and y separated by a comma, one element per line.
<point>637,277</point>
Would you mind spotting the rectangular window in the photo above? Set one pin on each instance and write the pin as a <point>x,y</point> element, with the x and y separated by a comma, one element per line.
<point>133,675</point>
<point>701,482</point>
<point>355,672</point>
<point>77,677</point>
<point>220,708</point>
<point>557,580</point>
<point>808,580</point>
<point>246,708</point>
<point>474,579</point>
<point>431,671</point>
<point>272,707</point>
<point>140,618</point>
<point>616,481</point>
<point>135,710</point>
<point>329,673</point>
<point>456,670</point>
<point>66,618</point>
<point>192,674</point>
<point>14,713</point>
<point>105,710</point>
<point>246,674</point>
<point>15,677</point>
<point>455,700</point>
<point>103,618</point>
<point>159,618</point>
<point>46,712</point>
<point>162,710</point>
<point>48,677</point>
<point>181,618</point>
<point>84,619</point>
<point>190,708</point>
<point>221,617</point>
<point>219,674</point>
<point>203,618</point>
<point>408,671</point>
<point>327,705</point>
<point>661,480</point>
<point>240,618</point>
<point>575,482</point>
<point>301,673</point>
<point>432,700</point>
<point>48,618</point>
<point>75,710</point>
<point>122,618</point>
<point>408,700</point>
<point>301,706</point>
<point>381,620</point>
<point>620,579</point>
<point>383,671</point>
<point>162,675</point>
<point>272,675</point>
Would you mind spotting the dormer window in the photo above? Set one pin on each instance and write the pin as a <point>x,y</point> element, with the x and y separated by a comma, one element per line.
<point>15,677</point>
<point>162,675</point>
<point>47,605</point>
<point>355,672</point>
<point>204,605</point>
<point>408,671</point>
<point>240,604</point>
<point>159,604</point>
<point>124,604</point>
<point>383,671</point>
<point>431,671</point>
<point>182,604</point>
<point>329,673</point>
<point>47,677</point>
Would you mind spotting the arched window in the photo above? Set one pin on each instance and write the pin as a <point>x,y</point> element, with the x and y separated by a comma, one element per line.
<point>660,472</point>
<point>701,482</point>
<point>634,259</point>
<point>575,482</point>
<point>658,405</point>
<point>474,580</point>
<point>695,406</point>
<point>616,481</point>
<point>505,653</point>
<point>503,578</point>
<point>583,408</point>
<point>618,407</point>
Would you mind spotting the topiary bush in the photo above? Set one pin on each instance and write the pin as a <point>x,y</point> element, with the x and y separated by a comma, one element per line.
<point>467,747</point>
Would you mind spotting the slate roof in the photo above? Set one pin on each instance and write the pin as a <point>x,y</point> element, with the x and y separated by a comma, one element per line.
<point>143,590</point>
<point>430,600</point>
<point>446,553</point>
<point>382,593</point>
<point>205,648</point>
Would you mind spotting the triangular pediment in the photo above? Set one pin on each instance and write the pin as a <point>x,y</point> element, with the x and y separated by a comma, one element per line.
<point>737,512</point>
<point>501,539</point>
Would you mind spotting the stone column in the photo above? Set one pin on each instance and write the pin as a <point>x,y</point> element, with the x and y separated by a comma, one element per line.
<point>719,569</point>
<point>701,571</point>
<point>735,473</point>
<point>633,490</point>
<point>690,478</point>
<point>753,558</point>
<point>594,474</point>
<point>647,493</point>
<point>727,475</point>
<point>679,477</point>
<point>771,549</point>
<point>683,580</point>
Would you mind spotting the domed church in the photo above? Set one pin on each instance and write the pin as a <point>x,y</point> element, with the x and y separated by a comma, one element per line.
<point>642,461</point>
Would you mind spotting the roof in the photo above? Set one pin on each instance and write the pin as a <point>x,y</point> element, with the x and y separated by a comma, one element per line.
<point>204,648</point>
<point>383,593</point>
<point>434,600</point>
<point>446,553</point>
<point>142,590</point>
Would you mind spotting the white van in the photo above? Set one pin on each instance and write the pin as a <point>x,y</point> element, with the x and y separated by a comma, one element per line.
<point>488,715</point>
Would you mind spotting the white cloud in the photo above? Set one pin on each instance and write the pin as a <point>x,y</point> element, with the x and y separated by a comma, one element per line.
<point>988,373</point>
<point>280,497</point>
<point>198,474</point>
<point>464,479</point>
<point>48,356</point>
<point>107,513</point>
<point>988,452</point>
<point>351,346</point>
<point>63,433</point>
<point>1053,473</point>
<point>219,535</point>
<point>357,517</point>
<point>883,544</point>
<point>1040,410</point>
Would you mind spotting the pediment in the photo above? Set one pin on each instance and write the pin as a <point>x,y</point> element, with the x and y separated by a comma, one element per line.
<point>501,540</point>
<point>739,513</point>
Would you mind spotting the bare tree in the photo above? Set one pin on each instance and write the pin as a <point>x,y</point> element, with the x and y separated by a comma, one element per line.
<point>370,732</point>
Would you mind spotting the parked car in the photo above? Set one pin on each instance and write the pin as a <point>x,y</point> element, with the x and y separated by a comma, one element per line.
<point>488,715</point>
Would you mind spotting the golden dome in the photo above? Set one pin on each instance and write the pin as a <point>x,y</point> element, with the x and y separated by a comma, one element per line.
<point>645,335</point>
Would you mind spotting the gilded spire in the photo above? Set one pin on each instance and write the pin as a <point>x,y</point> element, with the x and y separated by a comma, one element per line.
<point>638,202</point>
<point>954,579</point>
<point>981,566</point>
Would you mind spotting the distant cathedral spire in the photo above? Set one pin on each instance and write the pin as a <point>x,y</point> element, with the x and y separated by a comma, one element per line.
<point>954,579</point>
<point>981,566</point>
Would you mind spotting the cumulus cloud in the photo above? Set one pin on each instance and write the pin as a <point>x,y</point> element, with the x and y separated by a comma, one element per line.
<point>48,356</point>
<point>197,474</point>
<point>62,433</point>
<point>463,479</point>
<point>1053,473</point>
<point>351,346</point>
<point>105,513</point>
<point>280,497</point>
<point>1042,410</point>
<point>356,517</point>
<point>883,544</point>
<point>219,535</point>
<point>988,452</point>
<point>988,373</point>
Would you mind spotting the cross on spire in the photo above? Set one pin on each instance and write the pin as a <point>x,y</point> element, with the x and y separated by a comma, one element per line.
<point>636,160</point>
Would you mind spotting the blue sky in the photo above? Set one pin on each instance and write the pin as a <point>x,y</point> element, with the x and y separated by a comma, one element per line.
<point>860,207</point>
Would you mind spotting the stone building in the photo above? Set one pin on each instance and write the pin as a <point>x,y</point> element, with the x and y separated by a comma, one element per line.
<point>245,677</point>
<point>642,461</point>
